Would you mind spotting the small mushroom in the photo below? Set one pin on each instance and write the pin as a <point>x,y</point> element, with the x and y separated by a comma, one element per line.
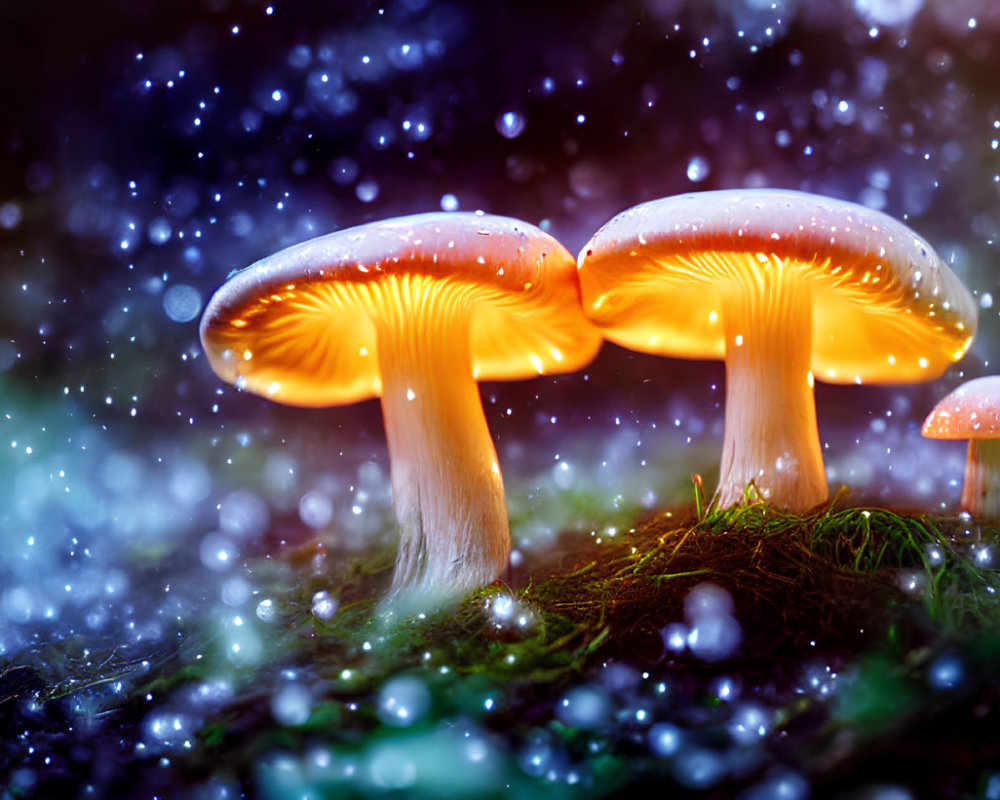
<point>413,310</point>
<point>972,412</point>
<point>783,285</point>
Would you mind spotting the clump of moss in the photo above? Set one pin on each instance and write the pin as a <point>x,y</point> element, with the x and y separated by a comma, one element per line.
<point>861,586</point>
<point>829,575</point>
<point>833,578</point>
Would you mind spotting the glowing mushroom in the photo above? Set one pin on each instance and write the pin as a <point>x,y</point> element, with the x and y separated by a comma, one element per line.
<point>413,310</point>
<point>972,412</point>
<point>782,285</point>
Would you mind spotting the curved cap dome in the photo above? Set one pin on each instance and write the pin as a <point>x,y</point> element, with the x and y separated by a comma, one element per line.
<point>885,308</point>
<point>972,411</point>
<point>300,326</point>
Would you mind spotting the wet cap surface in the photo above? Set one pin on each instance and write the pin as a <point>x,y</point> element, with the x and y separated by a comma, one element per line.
<point>299,326</point>
<point>885,308</point>
<point>972,411</point>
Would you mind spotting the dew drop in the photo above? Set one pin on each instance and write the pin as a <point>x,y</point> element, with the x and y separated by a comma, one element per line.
<point>159,231</point>
<point>236,591</point>
<point>292,704</point>
<point>698,169</point>
<point>403,701</point>
<point>584,707</point>
<point>266,612</point>
<point>511,124</point>
<point>243,514</point>
<point>945,672</point>
<point>665,739</point>
<point>715,634</point>
<point>324,605</point>
<point>181,302</point>
<point>10,215</point>
<point>218,552</point>
<point>749,724</point>
<point>316,509</point>
<point>698,768</point>
<point>367,190</point>
<point>380,134</point>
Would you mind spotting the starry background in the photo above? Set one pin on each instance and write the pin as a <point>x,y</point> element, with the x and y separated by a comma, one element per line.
<point>151,148</point>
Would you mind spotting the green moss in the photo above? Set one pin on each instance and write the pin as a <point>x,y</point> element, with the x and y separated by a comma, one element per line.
<point>833,575</point>
<point>878,694</point>
<point>824,576</point>
<point>831,581</point>
<point>212,735</point>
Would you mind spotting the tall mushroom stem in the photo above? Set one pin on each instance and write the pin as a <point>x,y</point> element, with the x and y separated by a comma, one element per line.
<point>770,436</point>
<point>446,483</point>
<point>980,492</point>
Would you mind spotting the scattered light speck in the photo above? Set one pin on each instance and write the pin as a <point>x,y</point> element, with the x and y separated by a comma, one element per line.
<point>511,124</point>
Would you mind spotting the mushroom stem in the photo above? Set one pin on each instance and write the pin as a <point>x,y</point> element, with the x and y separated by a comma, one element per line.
<point>770,435</point>
<point>982,477</point>
<point>446,483</point>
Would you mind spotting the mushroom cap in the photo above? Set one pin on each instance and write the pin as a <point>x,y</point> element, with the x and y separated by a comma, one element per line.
<point>298,326</point>
<point>972,411</point>
<point>885,308</point>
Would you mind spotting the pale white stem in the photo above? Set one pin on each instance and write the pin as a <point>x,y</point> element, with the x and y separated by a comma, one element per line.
<point>981,489</point>
<point>446,484</point>
<point>770,436</point>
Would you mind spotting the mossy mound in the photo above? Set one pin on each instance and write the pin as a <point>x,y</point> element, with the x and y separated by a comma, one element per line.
<point>840,577</point>
<point>864,634</point>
